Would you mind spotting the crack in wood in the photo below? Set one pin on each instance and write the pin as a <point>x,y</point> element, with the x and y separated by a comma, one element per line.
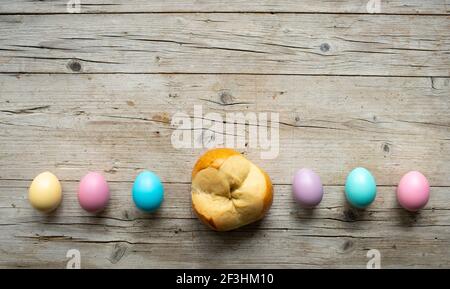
<point>42,47</point>
<point>66,58</point>
<point>26,110</point>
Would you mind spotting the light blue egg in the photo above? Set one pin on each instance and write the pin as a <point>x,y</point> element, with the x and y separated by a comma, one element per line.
<point>148,191</point>
<point>360,188</point>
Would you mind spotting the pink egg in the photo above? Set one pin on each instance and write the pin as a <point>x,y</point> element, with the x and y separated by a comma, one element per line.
<point>93,192</point>
<point>413,191</point>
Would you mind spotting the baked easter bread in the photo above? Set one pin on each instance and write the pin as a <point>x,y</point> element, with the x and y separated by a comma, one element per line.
<point>229,191</point>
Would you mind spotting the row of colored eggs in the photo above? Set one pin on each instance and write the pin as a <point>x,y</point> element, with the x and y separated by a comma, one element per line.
<point>413,191</point>
<point>45,193</point>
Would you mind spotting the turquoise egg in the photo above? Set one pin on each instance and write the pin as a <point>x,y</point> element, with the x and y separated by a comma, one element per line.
<point>360,188</point>
<point>148,191</point>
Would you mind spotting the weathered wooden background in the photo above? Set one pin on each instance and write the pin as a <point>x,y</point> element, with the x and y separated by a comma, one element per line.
<point>97,90</point>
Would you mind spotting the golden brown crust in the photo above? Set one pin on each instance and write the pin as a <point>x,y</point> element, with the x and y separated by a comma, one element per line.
<point>207,221</point>
<point>269,194</point>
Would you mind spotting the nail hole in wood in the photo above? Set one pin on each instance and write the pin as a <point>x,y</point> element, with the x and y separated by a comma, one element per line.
<point>74,66</point>
<point>324,47</point>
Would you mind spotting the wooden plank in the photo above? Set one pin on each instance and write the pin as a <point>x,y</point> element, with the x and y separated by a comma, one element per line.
<point>215,43</point>
<point>120,124</point>
<point>291,6</point>
<point>332,235</point>
<point>98,91</point>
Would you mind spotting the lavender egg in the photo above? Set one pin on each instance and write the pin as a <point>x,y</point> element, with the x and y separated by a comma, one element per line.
<point>307,188</point>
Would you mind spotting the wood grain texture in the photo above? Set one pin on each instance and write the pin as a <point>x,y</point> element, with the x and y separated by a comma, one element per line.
<point>290,6</point>
<point>218,43</point>
<point>122,123</point>
<point>332,235</point>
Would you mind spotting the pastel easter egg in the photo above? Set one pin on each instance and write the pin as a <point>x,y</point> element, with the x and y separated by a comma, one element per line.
<point>413,191</point>
<point>360,188</point>
<point>45,192</point>
<point>93,192</point>
<point>148,191</point>
<point>307,188</point>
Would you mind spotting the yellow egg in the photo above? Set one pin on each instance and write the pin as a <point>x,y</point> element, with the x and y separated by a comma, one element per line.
<point>44,193</point>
